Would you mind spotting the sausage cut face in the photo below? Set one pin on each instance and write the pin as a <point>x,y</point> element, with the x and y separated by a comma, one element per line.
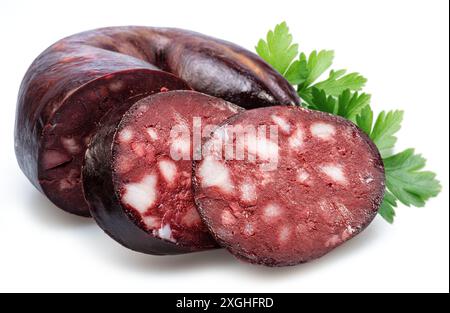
<point>145,161</point>
<point>283,185</point>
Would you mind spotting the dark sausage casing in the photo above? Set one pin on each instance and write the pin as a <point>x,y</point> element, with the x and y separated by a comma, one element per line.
<point>72,84</point>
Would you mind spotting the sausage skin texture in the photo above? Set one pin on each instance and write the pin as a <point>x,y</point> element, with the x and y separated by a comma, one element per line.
<point>138,172</point>
<point>72,84</point>
<point>308,182</point>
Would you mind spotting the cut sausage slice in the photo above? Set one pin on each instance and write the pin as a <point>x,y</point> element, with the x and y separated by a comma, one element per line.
<point>138,169</point>
<point>283,185</point>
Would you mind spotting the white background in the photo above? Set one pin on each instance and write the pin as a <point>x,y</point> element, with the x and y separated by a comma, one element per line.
<point>401,46</point>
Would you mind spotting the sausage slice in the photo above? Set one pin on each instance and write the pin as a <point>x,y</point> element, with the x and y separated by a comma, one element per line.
<point>284,185</point>
<point>138,170</point>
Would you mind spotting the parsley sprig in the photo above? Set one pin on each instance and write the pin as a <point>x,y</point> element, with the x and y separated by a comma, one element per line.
<point>341,94</point>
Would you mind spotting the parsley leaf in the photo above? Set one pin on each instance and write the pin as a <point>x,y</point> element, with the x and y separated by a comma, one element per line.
<point>406,181</point>
<point>387,210</point>
<point>365,119</point>
<point>337,82</point>
<point>384,130</point>
<point>339,94</point>
<point>278,49</point>
<point>351,104</point>
<point>321,102</point>
<point>315,65</point>
<point>298,72</point>
<point>347,105</point>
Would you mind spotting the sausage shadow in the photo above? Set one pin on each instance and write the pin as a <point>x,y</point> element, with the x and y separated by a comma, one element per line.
<point>39,208</point>
<point>167,264</point>
<point>45,212</point>
<point>223,260</point>
<point>340,254</point>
